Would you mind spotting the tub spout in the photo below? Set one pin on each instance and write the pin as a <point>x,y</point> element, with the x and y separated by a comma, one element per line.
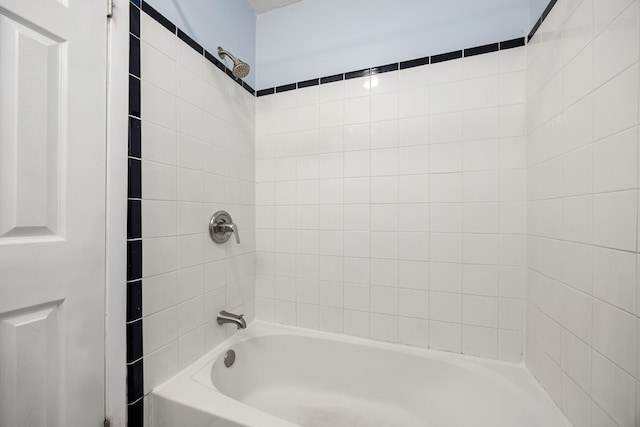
<point>237,319</point>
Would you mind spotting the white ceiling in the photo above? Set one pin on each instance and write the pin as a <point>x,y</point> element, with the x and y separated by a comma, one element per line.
<point>262,6</point>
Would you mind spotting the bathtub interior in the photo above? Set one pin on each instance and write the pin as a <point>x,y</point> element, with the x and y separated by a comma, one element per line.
<point>286,376</point>
<point>283,375</point>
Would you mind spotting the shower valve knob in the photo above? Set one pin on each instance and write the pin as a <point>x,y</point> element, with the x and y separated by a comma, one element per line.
<point>221,227</point>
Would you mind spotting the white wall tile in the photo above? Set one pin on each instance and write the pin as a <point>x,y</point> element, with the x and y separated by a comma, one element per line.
<point>356,323</point>
<point>157,68</point>
<point>616,104</point>
<point>617,46</point>
<point>614,220</point>
<point>480,341</point>
<point>613,390</point>
<point>615,162</point>
<point>445,336</point>
<point>614,335</point>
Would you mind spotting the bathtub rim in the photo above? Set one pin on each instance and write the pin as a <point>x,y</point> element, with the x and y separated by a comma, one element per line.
<point>194,388</point>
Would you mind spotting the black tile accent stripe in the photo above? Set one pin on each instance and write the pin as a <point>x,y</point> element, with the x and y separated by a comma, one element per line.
<point>134,331</point>
<point>158,17</point>
<point>331,79</point>
<point>547,9</point>
<point>308,83</point>
<point>264,92</point>
<point>134,219</point>
<point>286,88</point>
<point>134,341</point>
<point>446,56</point>
<point>248,88</point>
<point>135,179</point>
<point>135,381</point>
<point>135,414</point>
<point>134,20</point>
<point>385,68</point>
<point>134,301</point>
<point>135,137</point>
<point>134,96</point>
<point>415,63</point>
<point>479,50</point>
<point>356,74</point>
<point>134,56</point>
<point>534,29</point>
<point>134,260</point>
<point>540,20</point>
<point>191,42</point>
<point>510,44</point>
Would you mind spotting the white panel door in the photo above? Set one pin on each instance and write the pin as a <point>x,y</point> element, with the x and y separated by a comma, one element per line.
<point>52,212</point>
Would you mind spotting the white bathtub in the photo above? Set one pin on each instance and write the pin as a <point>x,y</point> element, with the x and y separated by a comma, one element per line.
<point>291,377</point>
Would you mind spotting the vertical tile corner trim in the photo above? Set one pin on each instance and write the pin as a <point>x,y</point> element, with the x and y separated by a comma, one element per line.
<point>133,320</point>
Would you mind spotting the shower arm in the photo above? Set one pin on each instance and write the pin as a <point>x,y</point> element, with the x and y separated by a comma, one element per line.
<point>222,52</point>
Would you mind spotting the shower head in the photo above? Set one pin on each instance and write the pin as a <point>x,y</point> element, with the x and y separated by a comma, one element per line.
<point>240,68</point>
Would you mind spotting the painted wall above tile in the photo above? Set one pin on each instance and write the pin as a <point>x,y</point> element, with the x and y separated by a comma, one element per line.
<point>323,37</point>
<point>212,23</point>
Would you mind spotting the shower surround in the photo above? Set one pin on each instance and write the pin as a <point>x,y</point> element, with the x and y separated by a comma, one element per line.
<point>446,205</point>
<point>392,206</point>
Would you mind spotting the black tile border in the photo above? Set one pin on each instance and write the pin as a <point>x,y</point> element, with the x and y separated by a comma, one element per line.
<point>134,55</point>
<point>158,17</point>
<point>403,65</point>
<point>135,137</point>
<point>135,413</point>
<point>134,260</point>
<point>331,79</point>
<point>510,44</point>
<point>134,96</point>
<point>480,50</point>
<point>191,42</point>
<point>264,92</point>
<point>415,63</point>
<point>357,74</point>
<point>134,219</point>
<point>135,387</point>
<point>286,88</point>
<point>540,20</point>
<point>134,178</point>
<point>134,361</point>
<point>134,18</point>
<point>134,299</point>
<point>449,56</point>
<point>308,83</point>
<point>134,341</point>
<point>385,68</point>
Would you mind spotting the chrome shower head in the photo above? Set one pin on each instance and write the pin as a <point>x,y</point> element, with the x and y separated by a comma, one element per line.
<point>240,68</point>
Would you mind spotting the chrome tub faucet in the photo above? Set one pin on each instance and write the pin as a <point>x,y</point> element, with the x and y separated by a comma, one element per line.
<point>237,319</point>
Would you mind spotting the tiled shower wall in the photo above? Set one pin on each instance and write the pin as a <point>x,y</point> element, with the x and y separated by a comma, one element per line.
<point>197,158</point>
<point>582,324</point>
<point>393,206</point>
